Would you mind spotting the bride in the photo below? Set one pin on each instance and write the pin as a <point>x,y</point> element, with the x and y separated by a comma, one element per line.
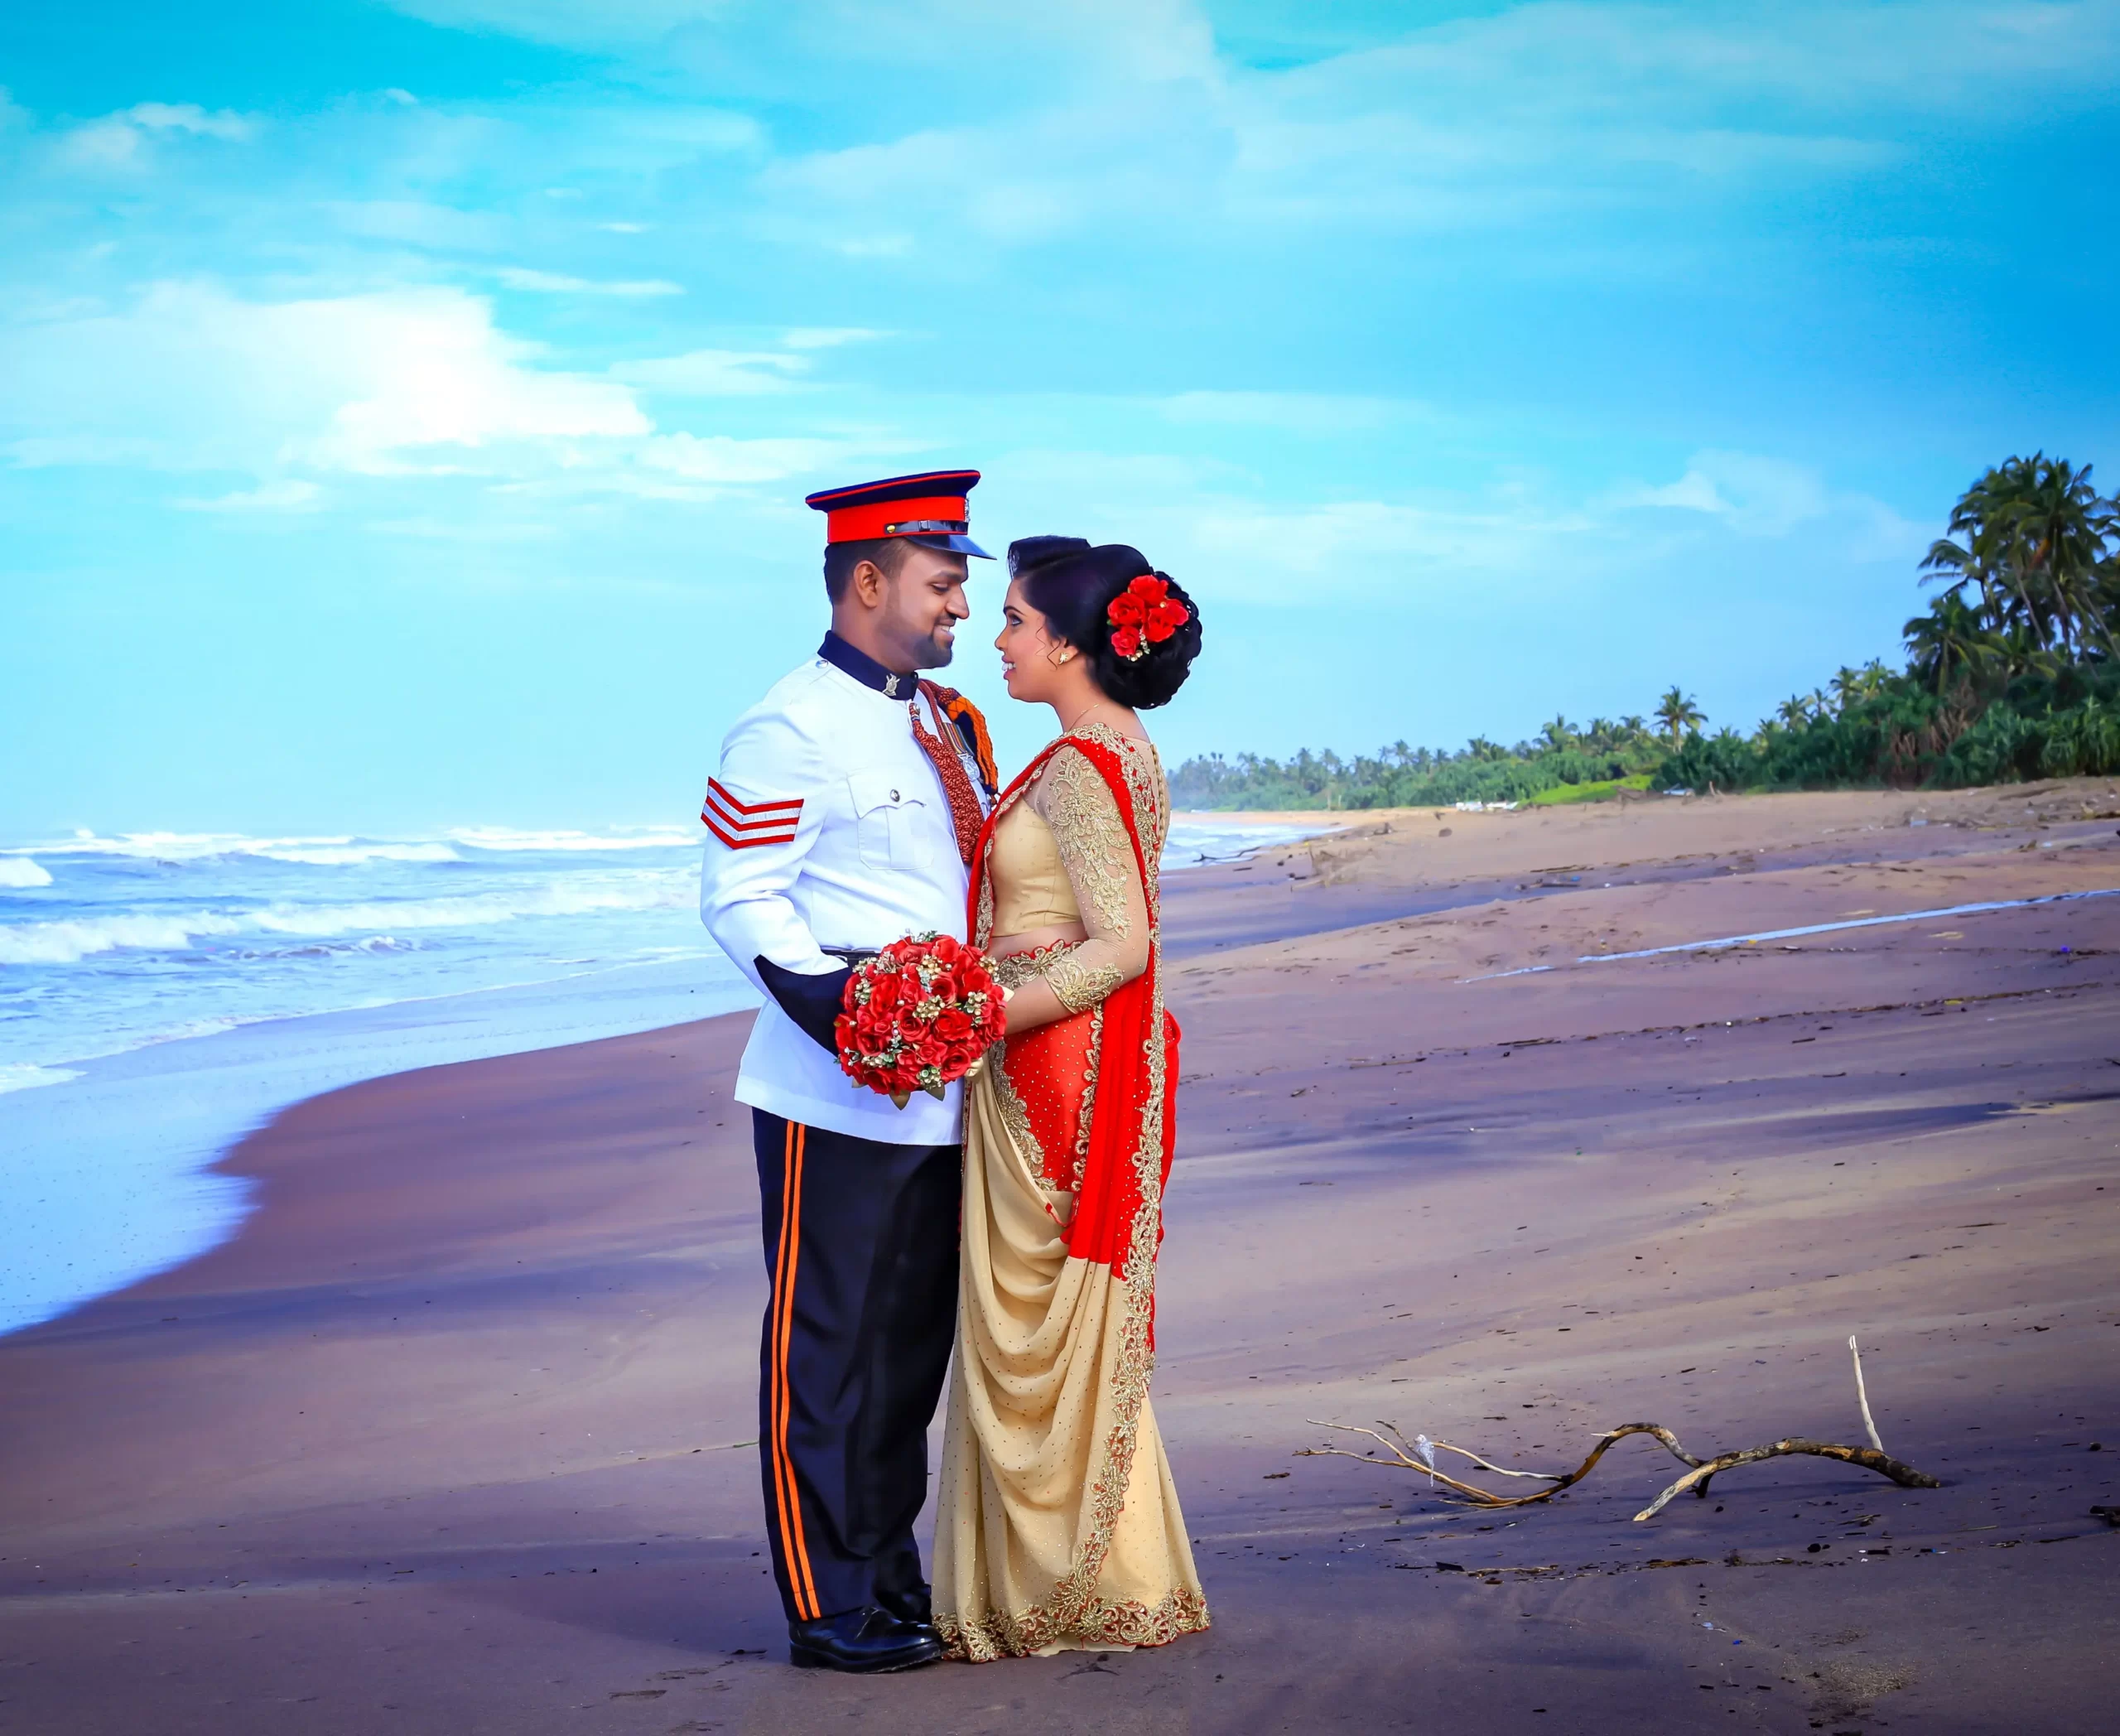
<point>1058,1524</point>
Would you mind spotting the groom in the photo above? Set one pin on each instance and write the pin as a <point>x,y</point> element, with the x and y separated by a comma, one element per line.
<point>844,816</point>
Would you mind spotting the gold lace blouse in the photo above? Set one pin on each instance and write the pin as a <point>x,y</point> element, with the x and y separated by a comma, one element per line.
<point>1060,856</point>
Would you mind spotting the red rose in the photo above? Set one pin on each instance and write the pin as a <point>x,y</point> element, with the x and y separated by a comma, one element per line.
<point>1164,620</point>
<point>1126,642</point>
<point>885,1046</point>
<point>1149,588</point>
<point>1126,611</point>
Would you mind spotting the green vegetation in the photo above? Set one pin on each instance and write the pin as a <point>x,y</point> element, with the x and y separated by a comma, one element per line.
<point>1601,791</point>
<point>2013,673</point>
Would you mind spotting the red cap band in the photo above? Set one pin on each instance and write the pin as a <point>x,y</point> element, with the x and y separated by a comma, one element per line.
<point>860,524</point>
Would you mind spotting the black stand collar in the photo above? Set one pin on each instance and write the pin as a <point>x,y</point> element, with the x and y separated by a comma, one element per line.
<point>866,670</point>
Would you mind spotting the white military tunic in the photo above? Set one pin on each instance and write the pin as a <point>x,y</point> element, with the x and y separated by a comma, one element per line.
<point>828,827</point>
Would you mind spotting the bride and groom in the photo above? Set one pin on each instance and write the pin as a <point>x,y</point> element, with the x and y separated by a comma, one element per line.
<point>1016,1217</point>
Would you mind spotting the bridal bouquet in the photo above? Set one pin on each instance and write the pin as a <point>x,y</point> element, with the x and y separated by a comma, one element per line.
<point>917,1016</point>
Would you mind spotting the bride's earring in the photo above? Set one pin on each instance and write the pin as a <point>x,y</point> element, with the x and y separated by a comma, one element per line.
<point>1058,656</point>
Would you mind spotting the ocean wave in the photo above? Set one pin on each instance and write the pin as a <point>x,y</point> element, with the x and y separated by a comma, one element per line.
<point>344,851</point>
<point>22,1076</point>
<point>352,855</point>
<point>19,871</point>
<point>68,942</point>
<point>503,837</point>
<point>167,845</point>
<point>350,850</point>
<point>651,890</point>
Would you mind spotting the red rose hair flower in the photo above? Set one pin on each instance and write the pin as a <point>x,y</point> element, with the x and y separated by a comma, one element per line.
<point>1143,614</point>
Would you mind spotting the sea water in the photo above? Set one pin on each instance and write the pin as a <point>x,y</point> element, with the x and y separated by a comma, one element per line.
<point>163,994</point>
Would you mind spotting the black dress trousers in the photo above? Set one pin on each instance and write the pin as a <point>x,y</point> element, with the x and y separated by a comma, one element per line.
<point>861,1247</point>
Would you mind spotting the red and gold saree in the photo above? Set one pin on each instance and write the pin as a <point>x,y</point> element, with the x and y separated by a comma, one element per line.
<point>1057,1523</point>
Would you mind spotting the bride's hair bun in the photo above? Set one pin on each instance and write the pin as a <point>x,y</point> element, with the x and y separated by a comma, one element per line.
<point>1073,585</point>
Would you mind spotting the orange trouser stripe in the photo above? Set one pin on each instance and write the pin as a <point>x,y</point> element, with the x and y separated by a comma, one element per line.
<point>794,1549</point>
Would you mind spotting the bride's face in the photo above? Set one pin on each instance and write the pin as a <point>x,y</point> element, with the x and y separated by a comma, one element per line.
<point>1028,649</point>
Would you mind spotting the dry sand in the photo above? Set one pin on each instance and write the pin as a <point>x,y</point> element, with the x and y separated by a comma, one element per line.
<point>447,1439</point>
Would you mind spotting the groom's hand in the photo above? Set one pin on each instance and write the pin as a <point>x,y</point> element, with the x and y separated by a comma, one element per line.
<point>814,1003</point>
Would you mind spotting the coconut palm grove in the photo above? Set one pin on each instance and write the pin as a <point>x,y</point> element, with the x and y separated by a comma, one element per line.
<point>2013,673</point>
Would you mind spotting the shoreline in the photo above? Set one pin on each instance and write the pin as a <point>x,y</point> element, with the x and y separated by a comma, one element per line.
<point>86,1114</point>
<point>456,1423</point>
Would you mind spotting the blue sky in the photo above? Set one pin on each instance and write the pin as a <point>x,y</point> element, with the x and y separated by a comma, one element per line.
<point>405,409</point>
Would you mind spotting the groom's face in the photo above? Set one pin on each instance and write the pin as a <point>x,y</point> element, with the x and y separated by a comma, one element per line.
<point>922,604</point>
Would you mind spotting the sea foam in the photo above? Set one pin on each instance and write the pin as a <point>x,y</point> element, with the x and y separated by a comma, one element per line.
<point>22,871</point>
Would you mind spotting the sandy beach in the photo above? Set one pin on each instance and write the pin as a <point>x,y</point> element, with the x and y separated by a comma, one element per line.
<point>1443,1159</point>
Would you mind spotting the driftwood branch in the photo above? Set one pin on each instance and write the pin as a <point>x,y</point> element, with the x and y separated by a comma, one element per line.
<point>1700,1471</point>
<point>1863,1394</point>
<point>1419,1456</point>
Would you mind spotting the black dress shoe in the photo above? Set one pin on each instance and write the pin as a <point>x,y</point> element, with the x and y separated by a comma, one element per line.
<point>916,1606</point>
<point>865,1642</point>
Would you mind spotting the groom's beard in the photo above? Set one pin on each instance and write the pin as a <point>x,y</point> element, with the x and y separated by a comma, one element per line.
<point>935,652</point>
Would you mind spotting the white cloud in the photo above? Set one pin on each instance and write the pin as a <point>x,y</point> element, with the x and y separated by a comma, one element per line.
<point>829,337</point>
<point>719,459</point>
<point>1546,111</point>
<point>570,23</point>
<point>551,284</point>
<point>422,223</point>
<point>714,373</point>
<point>739,373</point>
<point>270,497</point>
<point>118,141</point>
<point>190,377</point>
<point>1140,38</point>
<point>1759,496</point>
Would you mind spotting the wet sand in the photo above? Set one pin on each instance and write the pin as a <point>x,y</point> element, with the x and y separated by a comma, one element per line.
<point>452,1438</point>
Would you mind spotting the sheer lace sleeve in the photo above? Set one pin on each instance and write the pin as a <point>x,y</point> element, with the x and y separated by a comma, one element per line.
<point>1073,798</point>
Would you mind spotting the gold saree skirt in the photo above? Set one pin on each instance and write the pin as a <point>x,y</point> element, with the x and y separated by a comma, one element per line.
<point>1056,1524</point>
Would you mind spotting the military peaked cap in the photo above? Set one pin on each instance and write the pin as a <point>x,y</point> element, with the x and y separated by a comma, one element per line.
<point>930,508</point>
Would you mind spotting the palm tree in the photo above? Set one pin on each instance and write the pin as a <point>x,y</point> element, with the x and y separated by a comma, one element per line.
<point>2035,532</point>
<point>1557,735</point>
<point>1793,713</point>
<point>1677,712</point>
<point>2059,525</point>
<point>1951,644</point>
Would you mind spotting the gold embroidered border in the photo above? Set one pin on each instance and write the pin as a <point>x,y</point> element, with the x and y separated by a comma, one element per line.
<point>1016,1117</point>
<point>1183,1612</point>
<point>1089,1094</point>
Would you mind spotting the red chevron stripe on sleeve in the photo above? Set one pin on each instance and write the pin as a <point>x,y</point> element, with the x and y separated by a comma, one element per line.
<point>748,825</point>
